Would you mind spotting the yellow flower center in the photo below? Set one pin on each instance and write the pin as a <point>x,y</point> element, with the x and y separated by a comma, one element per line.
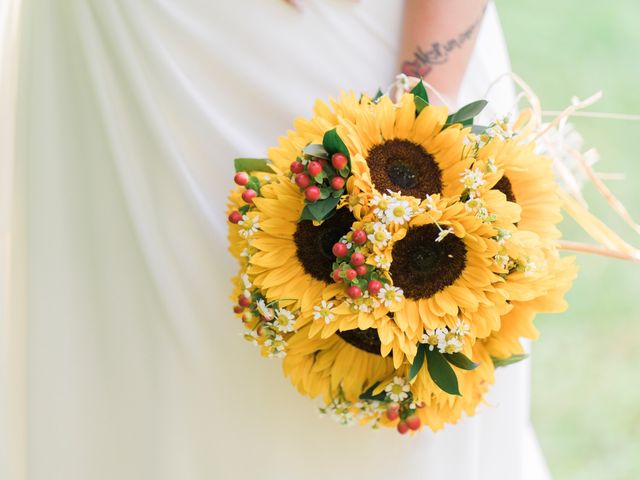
<point>398,211</point>
<point>396,389</point>
<point>380,236</point>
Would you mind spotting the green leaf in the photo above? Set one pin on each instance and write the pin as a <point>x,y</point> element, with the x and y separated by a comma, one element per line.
<point>503,362</point>
<point>478,129</point>
<point>315,150</point>
<point>252,165</point>
<point>368,394</point>
<point>442,373</point>
<point>420,92</point>
<point>325,192</point>
<point>420,104</point>
<point>377,96</point>
<point>320,177</point>
<point>333,143</point>
<point>467,112</point>
<point>322,208</point>
<point>338,193</point>
<point>460,360</point>
<point>417,362</point>
<point>306,214</point>
<point>254,183</point>
<point>244,209</point>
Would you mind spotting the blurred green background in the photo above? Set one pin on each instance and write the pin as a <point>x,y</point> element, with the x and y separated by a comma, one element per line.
<point>586,381</point>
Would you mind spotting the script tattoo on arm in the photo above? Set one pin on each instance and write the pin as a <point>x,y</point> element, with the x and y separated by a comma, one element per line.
<point>424,61</point>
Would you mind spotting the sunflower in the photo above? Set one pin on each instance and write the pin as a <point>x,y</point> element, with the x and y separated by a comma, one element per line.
<point>332,367</point>
<point>526,179</point>
<point>393,149</point>
<point>536,276</point>
<point>292,259</point>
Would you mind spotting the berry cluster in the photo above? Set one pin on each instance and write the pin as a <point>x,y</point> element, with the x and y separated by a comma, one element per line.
<point>350,266</point>
<point>320,178</point>
<point>409,419</point>
<point>252,190</point>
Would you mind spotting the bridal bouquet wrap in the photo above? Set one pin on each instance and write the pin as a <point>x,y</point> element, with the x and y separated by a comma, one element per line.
<point>393,254</point>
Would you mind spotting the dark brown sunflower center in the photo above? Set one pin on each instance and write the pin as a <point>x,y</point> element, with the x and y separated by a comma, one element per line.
<point>422,267</point>
<point>504,185</point>
<point>367,340</point>
<point>401,165</point>
<point>314,244</point>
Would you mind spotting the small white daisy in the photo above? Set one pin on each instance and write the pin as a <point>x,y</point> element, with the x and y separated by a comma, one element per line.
<point>285,320</point>
<point>503,235</point>
<point>450,343</point>
<point>501,260</point>
<point>389,294</point>
<point>380,236</point>
<point>461,328</point>
<point>323,311</point>
<point>249,224</point>
<point>381,203</point>
<point>398,389</point>
<point>252,337</point>
<point>382,262</point>
<point>472,179</point>
<point>431,204</point>
<point>264,310</point>
<point>398,211</point>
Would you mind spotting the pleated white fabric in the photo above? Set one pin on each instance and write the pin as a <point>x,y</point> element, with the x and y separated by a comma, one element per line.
<point>120,359</point>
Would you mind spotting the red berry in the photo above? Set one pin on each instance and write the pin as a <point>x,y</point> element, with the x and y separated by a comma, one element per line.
<point>354,291</point>
<point>337,183</point>
<point>357,259</point>
<point>361,270</point>
<point>248,195</point>
<point>359,237</point>
<point>314,168</point>
<point>374,287</point>
<point>247,317</point>
<point>394,406</point>
<point>350,274</point>
<point>302,180</point>
<point>238,309</point>
<point>321,161</point>
<point>340,249</point>
<point>297,167</point>
<point>339,161</point>
<point>402,427</point>
<point>312,194</point>
<point>241,178</point>
<point>336,276</point>
<point>244,301</point>
<point>413,422</point>
<point>235,216</point>
<point>392,414</point>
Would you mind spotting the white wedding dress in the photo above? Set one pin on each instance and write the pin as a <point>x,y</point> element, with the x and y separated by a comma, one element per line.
<point>120,357</point>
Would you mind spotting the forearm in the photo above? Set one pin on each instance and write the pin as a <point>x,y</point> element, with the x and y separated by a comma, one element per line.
<point>438,39</point>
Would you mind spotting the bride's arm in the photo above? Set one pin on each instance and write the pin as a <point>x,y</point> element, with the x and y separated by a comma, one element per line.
<point>437,40</point>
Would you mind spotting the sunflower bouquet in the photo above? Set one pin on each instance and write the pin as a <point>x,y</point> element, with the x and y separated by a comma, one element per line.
<point>393,254</point>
